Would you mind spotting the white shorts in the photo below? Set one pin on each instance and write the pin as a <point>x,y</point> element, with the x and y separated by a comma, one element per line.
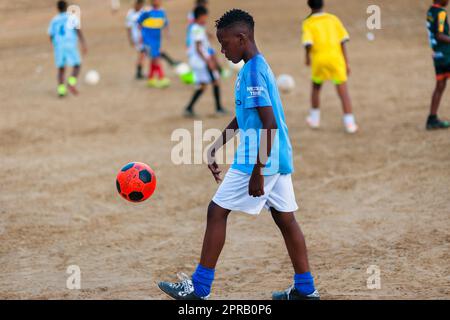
<point>278,193</point>
<point>201,71</point>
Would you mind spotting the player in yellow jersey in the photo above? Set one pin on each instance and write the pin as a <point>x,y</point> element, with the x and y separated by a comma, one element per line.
<point>324,38</point>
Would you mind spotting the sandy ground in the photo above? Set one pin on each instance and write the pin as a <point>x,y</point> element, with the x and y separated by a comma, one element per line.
<point>381,197</point>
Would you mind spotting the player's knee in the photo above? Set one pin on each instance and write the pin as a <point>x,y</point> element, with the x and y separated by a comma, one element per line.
<point>440,85</point>
<point>216,213</point>
<point>283,220</point>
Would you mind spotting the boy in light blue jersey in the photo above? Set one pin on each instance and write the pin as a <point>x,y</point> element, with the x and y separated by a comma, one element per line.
<point>261,173</point>
<point>64,31</point>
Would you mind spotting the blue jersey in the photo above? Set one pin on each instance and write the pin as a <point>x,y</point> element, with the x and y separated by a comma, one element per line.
<point>63,30</point>
<point>256,88</point>
<point>152,22</point>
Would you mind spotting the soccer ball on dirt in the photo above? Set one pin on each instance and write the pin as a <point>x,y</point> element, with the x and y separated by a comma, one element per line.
<point>136,182</point>
<point>92,77</point>
<point>182,68</point>
<point>286,83</point>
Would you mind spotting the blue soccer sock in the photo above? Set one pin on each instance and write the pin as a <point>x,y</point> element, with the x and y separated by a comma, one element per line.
<point>304,283</point>
<point>202,280</point>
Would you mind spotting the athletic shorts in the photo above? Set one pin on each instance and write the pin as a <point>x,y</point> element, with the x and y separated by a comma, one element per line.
<point>202,74</point>
<point>329,68</point>
<point>442,69</point>
<point>153,49</point>
<point>67,56</point>
<point>233,193</point>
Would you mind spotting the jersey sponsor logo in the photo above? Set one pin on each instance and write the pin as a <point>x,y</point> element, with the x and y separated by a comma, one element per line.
<point>255,92</point>
<point>153,23</point>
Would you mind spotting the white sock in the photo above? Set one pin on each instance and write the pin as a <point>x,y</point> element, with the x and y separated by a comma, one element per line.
<point>349,119</point>
<point>314,114</point>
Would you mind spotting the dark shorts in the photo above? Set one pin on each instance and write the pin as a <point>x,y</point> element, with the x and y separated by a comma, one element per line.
<point>442,67</point>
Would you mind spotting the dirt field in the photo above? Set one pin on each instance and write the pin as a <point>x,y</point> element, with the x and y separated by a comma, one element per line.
<point>381,197</point>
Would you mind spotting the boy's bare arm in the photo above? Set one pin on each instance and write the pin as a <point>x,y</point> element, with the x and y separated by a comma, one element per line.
<point>269,126</point>
<point>308,55</point>
<point>82,41</point>
<point>443,37</point>
<point>344,52</point>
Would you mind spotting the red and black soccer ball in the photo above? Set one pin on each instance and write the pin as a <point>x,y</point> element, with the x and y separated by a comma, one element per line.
<point>136,182</point>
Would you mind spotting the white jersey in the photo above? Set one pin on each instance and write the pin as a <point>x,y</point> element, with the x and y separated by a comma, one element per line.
<point>131,22</point>
<point>198,34</point>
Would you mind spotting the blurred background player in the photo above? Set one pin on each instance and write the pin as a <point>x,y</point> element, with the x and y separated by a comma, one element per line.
<point>261,174</point>
<point>191,20</point>
<point>152,22</point>
<point>438,28</point>
<point>134,34</point>
<point>64,31</point>
<point>203,66</point>
<point>324,38</point>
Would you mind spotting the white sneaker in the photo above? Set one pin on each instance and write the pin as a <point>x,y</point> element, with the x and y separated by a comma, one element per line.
<point>314,124</point>
<point>351,128</point>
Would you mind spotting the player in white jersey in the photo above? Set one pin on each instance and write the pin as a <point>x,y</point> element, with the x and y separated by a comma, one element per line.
<point>134,35</point>
<point>203,66</point>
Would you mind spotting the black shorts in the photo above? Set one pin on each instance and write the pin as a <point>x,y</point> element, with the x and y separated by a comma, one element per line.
<point>442,68</point>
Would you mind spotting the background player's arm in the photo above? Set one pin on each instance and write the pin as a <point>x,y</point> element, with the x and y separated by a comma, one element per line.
<point>308,55</point>
<point>82,41</point>
<point>269,126</point>
<point>344,52</point>
<point>229,133</point>
<point>441,37</point>
<point>198,46</point>
<point>130,38</point>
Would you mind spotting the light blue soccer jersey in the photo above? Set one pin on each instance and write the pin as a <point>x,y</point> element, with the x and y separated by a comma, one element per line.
<point>255,88</point>
<point>63,30</point>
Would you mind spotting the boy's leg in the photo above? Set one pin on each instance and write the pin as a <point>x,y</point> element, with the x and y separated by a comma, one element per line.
<point>215,233</point>
<point>189,111</point>
<point>73,79</point>
<point>140,64</point>
<point>314,114</point>
<point>200,285</point>
<point>349,118</point>
<point>295,243</point>
<point>433,121</point>
<point>293,238</point>
<point>62,90</point>
<point>169,59</point>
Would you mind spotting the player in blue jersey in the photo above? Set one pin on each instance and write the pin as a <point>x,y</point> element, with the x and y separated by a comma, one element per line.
<point>64,31</point>
<point>260,176</point>
<point>152,23</point>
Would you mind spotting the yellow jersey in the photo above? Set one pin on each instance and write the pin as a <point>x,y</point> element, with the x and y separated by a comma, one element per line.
<point>325,33</point>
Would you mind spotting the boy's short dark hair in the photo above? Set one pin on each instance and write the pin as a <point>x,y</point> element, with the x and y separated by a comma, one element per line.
<point>201,2</point>
<point>62,6</point>
<point>140,1</point>
<point>200,11</point>
<point>315,4</point>
<point>235,16</point>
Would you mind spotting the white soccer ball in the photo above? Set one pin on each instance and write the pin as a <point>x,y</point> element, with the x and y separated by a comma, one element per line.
<point>182,68</point>
<point>370,36</point>
<point>286,83</point>
<point>237,66</point>
<point>92,77</point>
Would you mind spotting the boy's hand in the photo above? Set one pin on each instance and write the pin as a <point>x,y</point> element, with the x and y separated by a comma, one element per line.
<point>213,166</point>
<point>84,49</point>
<point>256,184</point>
